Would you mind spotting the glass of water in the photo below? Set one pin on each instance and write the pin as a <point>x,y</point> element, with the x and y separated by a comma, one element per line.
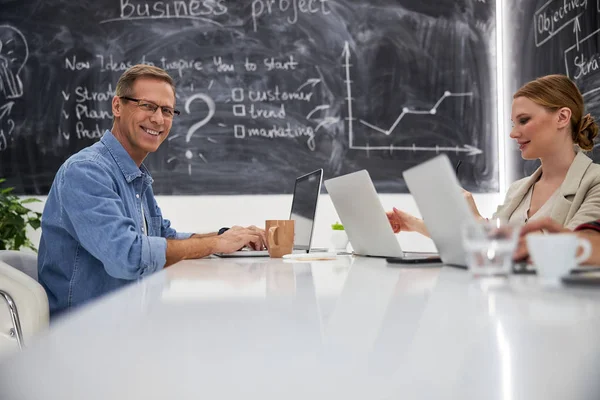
<point>489,246</point>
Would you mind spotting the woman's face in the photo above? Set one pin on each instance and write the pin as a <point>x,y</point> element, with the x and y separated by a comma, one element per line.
<point>535,129</point>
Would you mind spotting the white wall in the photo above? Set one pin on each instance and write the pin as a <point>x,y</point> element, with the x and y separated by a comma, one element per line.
<point>209,213</point>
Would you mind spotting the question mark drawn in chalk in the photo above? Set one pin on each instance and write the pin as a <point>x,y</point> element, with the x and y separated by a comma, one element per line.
<point>211,111</point>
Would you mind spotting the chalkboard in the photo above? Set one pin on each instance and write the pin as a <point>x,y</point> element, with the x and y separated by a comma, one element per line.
<point>554,37</point>
<point>268,90</point>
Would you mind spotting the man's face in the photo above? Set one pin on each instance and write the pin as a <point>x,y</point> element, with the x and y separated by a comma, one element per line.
<point>140,129</point>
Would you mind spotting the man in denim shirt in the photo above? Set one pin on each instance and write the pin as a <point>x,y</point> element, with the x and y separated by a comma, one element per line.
<point>101,226</point>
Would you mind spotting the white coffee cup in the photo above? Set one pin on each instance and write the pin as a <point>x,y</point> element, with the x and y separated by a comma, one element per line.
<point>554,255</point>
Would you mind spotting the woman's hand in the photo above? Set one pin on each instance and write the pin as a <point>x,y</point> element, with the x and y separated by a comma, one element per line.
<point>404,222</point>
<point>472,205</point>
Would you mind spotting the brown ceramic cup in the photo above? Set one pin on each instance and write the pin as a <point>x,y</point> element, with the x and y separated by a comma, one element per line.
<point>280,237</point>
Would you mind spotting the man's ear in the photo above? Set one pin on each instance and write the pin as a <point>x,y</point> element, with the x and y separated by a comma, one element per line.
<point>564,117</point>
<point>117,106</point>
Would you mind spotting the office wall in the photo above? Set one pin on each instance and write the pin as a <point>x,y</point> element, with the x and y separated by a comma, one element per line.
<point>353,85</point>
<point>209,213</point>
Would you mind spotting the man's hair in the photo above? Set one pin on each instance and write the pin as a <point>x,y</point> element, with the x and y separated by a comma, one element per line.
<point>126,81</point>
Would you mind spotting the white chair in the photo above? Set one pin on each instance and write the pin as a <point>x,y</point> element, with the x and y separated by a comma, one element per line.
<point>23,301</point>
<point>24,262</point>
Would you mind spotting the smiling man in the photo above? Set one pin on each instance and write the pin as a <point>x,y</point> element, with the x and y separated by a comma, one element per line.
<point>101,226</point>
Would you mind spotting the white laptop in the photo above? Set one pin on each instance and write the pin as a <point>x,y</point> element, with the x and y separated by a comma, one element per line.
<point>303,210</point>
<point>357,204</point>
<point>442,205</point>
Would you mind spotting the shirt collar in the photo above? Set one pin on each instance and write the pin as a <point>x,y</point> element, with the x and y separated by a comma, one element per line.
<point>126,164</point>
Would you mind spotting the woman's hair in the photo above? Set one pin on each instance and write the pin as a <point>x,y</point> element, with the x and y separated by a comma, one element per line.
<point>125,83</point>
<point>557,91</point>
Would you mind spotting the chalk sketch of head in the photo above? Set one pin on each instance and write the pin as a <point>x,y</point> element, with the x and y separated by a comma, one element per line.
<point>13,56</point>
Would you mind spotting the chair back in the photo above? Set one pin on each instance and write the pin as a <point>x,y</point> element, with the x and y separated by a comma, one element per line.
<point>24,308</point>
<point>23,261</point>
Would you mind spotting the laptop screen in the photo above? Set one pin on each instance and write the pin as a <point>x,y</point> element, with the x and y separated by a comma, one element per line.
<point>304,207</point>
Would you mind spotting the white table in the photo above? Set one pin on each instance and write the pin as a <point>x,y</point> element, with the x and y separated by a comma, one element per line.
<point>353,328</point>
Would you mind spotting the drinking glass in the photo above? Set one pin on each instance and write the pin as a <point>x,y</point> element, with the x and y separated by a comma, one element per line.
<point>489,246</point>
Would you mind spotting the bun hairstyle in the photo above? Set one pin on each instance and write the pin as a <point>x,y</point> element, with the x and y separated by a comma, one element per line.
<point>586,132</point>
<point>555,92</point>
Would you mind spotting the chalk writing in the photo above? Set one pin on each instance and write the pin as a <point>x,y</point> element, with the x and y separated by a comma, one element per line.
<point>276,95</point>
<point>83,111</point>
<point>257,112</point>
<point>211,111</point>
<point>555,15</point>
<point>180,65</point>
<point>292,8</point>
<point>130,9</point>
<point>273,64</point>
<point>223,66</point>
<point>578,64</point>
<point>74,65</point>
<point>84,133</point>
<point>83,94</point>
<point>109,64</point>
<point>288,131</point>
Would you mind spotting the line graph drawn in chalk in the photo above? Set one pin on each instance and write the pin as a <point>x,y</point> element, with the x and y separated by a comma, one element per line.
<point>466,148</point>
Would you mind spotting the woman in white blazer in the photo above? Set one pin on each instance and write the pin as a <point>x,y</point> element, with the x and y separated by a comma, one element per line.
<point>548,124</point>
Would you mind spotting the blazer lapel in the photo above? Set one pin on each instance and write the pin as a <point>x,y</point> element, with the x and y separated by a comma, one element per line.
<point>572,181</point>
<point>520,193</point>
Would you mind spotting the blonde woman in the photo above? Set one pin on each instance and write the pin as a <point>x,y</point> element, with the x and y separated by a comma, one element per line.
<point>549,125</point>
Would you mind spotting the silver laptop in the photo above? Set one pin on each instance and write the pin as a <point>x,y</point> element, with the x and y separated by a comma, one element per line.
<point>442,205</point>
<point>357,204</point>
<point>303,210</point>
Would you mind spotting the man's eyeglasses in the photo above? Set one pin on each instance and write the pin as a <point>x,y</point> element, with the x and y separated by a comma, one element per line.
<point>150,107</point>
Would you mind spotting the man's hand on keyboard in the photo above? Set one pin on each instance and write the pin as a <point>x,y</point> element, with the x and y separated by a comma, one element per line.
<point>237,237</point>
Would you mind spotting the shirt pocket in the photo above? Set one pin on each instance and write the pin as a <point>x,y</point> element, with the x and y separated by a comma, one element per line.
<point>155,226</point>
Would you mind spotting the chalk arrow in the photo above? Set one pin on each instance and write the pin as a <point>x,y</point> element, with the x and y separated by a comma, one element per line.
<point>311,81</point>
<point>5,109</point>
<point>65,95</point>
<point>577,29</point>
<point>346,51</point>
<point>327,121</point>
<point>472,150</point>
<point>317,108</point>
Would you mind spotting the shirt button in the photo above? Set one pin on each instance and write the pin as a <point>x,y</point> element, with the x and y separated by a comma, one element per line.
<point>137,195</point>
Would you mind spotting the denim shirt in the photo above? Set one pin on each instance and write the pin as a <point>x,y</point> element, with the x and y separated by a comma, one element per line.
<point>93,236</point>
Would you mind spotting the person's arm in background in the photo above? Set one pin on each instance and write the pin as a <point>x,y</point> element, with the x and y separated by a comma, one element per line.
<point>405,222</point>
<point>589,231</point>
